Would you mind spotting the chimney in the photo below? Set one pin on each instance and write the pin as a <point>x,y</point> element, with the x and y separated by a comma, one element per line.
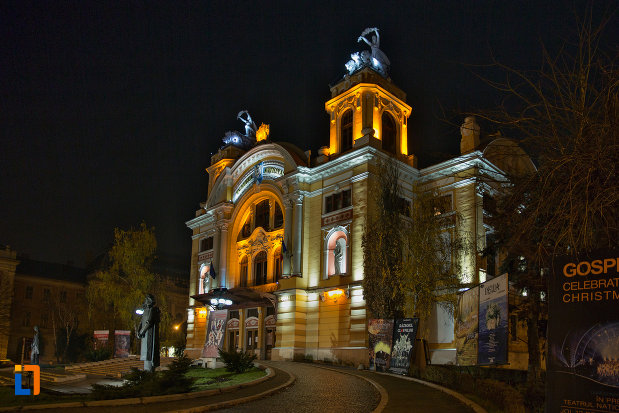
<point>470,135</point>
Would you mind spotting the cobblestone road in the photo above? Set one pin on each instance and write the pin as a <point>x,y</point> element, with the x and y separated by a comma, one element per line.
<point>316,390</point>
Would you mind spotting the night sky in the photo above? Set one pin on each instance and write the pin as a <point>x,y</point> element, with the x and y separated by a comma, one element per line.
<point>109,111</point>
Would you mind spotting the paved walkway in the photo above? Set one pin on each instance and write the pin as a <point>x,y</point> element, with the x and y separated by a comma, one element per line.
<point>409,396</point>
<point>316,390</point>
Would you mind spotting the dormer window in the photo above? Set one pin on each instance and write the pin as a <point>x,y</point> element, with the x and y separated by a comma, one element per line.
<point>346,131</point>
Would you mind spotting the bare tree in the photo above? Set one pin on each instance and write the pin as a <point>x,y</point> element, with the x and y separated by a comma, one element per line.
<point>565,115</point>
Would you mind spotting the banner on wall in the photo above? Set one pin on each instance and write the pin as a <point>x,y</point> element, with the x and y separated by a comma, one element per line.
<point>467,323</point>
<point>215,333</point>
<point>583,334</point>
<point>404,335</point>
<point>101,338</point>
<point>380,334</point>
<point>122,340</point>
<point>493,317</point>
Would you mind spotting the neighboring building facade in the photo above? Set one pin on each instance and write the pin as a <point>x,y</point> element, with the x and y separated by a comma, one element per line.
<point>283,229</point>
<point>39,288</point>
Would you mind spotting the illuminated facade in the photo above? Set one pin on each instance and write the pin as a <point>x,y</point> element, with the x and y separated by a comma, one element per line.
<point>283,229</point>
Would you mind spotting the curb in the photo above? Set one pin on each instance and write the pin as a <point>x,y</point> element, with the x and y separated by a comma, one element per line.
<point>156,399</point>
<point>477,408</point>
<point>384,396</point>
<point>234,402</point>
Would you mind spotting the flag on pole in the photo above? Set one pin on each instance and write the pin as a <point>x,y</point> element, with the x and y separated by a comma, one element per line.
<point>211,271</point>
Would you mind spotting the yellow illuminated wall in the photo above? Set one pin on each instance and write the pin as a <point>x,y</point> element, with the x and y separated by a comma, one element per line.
<point>368,102</point>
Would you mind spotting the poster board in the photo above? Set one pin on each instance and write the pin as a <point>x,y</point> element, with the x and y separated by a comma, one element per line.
<point>215,333</point>
<point>493,321</point>
<point>583,334</point>
<point>101,338</point>
<point>404,335</point>
<point>467,324</point>
<point>380,334</point>
<point>122,342</point>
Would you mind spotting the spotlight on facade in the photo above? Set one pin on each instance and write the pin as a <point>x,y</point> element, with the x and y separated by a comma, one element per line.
<point>139,311</point>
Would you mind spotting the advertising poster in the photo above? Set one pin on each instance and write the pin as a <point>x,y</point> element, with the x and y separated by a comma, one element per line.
<point>583,335</point>
<point>101,337</point>
<point>215,333</point>
<point>493,317</point>
<point>122,339</point>
<point>404,334</point>
<point>380,336</point>
<point>467,324</point>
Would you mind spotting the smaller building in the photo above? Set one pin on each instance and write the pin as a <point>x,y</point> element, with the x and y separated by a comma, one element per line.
<point>40,290</point>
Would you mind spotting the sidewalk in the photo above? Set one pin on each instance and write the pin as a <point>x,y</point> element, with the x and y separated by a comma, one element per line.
<point>406,394</point>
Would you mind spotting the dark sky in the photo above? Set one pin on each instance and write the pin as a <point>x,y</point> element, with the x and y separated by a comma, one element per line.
<point>109,111</point>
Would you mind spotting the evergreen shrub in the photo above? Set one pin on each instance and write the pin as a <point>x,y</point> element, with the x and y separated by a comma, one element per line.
<point>237,361</point>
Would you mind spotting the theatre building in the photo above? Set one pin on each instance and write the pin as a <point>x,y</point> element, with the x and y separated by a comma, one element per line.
<point>282,229</point>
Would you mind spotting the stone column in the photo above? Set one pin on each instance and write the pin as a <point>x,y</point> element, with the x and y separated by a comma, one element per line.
<point>297,234</point>
<point>223,254</point>
<point>287,237</point>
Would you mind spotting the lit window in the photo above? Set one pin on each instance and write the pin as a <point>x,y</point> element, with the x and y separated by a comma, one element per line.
<point>260,266</point>
<point>244,272</point>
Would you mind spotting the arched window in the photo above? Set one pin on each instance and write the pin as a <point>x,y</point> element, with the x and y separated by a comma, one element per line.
<point>389,133</point>
<point>278,217</point>
<point>244,272</point>
<point>346,131</point>
<point>260,266</point>
<point>262,215</point>
<point>278,265</point>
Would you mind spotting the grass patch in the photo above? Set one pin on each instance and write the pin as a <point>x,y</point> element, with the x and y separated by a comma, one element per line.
<point>207,379</point>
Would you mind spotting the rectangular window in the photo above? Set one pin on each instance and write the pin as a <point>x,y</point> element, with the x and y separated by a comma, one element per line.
<point>252,312</point>
<point>44,319</point>
<point>338,201</point>
<point>252,339</point>
<point>206,244</point>
<point>234,314</point>
<point>63,296</point>
<point>26,319</point>
<point>29,292</point>
<point>46,295</point>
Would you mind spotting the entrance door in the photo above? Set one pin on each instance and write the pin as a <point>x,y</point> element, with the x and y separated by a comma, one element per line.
<point>233,340</point>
